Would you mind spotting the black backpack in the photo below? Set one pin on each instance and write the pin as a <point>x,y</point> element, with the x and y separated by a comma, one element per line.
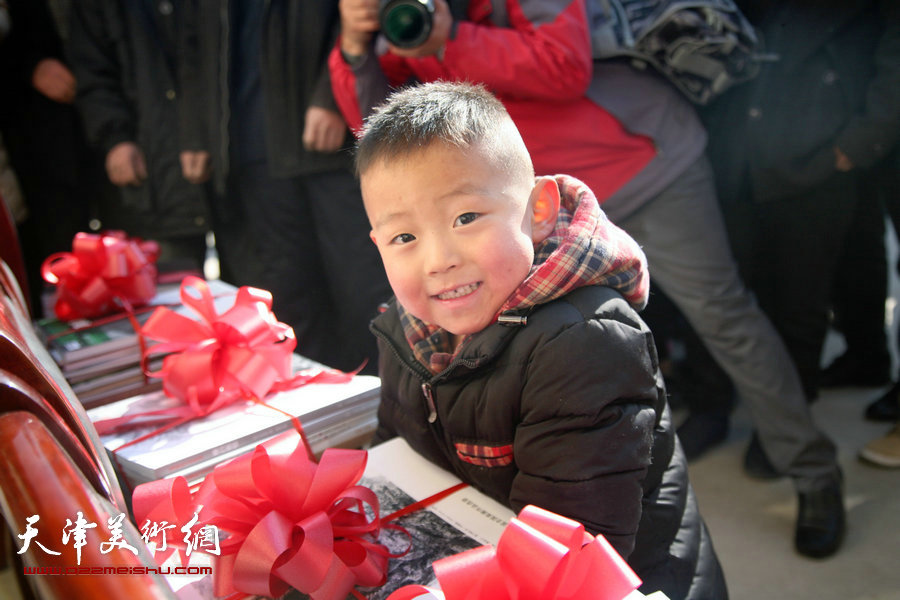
<point>702,46</point>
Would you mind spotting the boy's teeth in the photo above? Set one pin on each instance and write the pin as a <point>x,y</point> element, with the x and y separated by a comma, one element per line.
<point>460,291</point>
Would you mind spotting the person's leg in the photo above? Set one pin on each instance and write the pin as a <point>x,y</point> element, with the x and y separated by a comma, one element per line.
<point>858,301</point>
<point>277,250</point>
<point>355,275</point>
<point>235,242</point>
<point>683,236</point>
<point>694,382</point>
<point>792,265</point>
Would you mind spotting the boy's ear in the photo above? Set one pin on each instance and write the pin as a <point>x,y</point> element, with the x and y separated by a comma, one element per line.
<point>544,208</point>
<point>372,237</point>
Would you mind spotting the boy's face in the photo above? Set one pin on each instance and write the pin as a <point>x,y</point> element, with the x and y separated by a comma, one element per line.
<point>454,231</point>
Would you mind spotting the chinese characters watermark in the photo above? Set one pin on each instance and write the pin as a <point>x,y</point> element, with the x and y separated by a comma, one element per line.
<point>205,538</point>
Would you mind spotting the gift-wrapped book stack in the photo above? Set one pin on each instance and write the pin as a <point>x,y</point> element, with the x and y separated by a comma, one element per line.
<point>230,380</point>
<point>101,357</point>
<point>340,414</point>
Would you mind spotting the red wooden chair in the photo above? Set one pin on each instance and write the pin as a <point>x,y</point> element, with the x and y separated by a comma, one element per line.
<point>23,354</point>
<point>11,253</point>
<point>38,477</point>
<point>17,395</point>
<point>9,284</point>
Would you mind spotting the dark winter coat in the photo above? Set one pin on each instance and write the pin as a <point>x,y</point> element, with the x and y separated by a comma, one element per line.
<point>296,38</point>
<point>568,412</point>
<point>835,82</point>
<point>123,56</point>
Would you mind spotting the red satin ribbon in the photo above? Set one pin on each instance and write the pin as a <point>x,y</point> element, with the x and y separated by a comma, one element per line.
<point>104,273</point>
<point>289,522</point>
<point>540,556</point>
<point>244,353</point>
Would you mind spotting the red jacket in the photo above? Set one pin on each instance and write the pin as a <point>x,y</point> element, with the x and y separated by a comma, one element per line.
<point>536,57</point>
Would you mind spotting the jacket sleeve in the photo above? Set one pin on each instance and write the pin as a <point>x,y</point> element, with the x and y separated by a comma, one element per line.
<point>583,446</point>
<point>542,52</point>
<point>871,134</point>
<point>95,58</point>
<point>360,87</point>
<point>322,95</point>
<point>192,135</point>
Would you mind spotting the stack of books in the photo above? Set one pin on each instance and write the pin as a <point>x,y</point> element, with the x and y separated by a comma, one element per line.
<point>331,415</point>
<point>101,358</point>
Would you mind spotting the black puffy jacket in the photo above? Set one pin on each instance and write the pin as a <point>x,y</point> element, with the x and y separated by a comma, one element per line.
<point>568,412</point>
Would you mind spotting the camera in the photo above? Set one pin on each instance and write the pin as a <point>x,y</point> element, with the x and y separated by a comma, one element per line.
<point>406,23</point>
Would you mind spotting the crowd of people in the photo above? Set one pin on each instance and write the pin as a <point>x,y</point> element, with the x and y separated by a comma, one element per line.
<point>759,217</point>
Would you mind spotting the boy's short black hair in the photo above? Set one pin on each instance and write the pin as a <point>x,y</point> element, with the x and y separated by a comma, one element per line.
<point>458,114</point>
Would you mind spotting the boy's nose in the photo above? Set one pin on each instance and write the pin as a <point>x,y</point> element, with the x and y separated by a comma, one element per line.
<point>442,255</point>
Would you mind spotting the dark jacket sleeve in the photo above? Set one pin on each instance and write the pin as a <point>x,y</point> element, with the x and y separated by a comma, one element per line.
<point>583,446</point>
<point>191,127</point>
<point>98,65</point>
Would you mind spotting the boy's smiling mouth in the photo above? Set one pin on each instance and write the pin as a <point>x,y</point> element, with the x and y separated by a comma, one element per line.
<point>459,292</point>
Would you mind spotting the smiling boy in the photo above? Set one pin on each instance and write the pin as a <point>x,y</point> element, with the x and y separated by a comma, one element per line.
<point>512,354</point>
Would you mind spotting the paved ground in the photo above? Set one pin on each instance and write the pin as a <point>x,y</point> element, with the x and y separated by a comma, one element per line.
<point>752,521</point>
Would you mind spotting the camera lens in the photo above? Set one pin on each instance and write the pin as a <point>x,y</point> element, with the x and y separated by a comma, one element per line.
<point>406,23</point>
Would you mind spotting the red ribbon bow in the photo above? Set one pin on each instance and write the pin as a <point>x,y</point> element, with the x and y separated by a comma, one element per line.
<point>104,273</point>
<point>540,556</point>
<point>289,521</point>
<point>244,352</point>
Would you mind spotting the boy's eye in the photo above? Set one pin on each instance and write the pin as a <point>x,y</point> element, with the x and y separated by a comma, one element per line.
<point>465,219</point>
<point>403,238</point>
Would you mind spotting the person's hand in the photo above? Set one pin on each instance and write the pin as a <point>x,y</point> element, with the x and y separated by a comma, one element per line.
<point>125,164</point>
<point>842,162</point>
<point>54,80</point>
<point>324,130</point>
<point>195,165</point>
<point>442,22</point>
<point>359,23</point>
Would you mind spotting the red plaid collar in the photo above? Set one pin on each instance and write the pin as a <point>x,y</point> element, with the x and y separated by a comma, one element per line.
<point>585,248</point>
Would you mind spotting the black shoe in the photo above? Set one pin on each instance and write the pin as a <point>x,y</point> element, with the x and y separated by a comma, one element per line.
<point>849,372</point>
<point>702,432</point>
<point>820,522</point>
<point>756,463</point>
<point>886,407</point>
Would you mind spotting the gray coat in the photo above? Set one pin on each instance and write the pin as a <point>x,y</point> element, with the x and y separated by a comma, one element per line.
<point>567,412</point>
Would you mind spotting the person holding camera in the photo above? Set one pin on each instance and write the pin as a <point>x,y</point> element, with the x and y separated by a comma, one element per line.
<point>639,144</point>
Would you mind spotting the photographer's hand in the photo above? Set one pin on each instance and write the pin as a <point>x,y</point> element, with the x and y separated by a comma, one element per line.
<point>440,33</point>
<point>359,23</point>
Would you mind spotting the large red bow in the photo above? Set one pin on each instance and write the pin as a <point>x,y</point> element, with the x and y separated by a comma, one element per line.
<point>244,352</point>
<point>104,273</point>
<point>289,521</point>
<point>540,556</point>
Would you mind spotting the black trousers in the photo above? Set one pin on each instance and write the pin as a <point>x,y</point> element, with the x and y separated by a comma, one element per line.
<point>788,250</point>
<point>306,240</point>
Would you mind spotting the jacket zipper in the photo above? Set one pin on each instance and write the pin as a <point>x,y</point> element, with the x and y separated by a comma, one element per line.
<point>427,379</point>
<point>429,398</point>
